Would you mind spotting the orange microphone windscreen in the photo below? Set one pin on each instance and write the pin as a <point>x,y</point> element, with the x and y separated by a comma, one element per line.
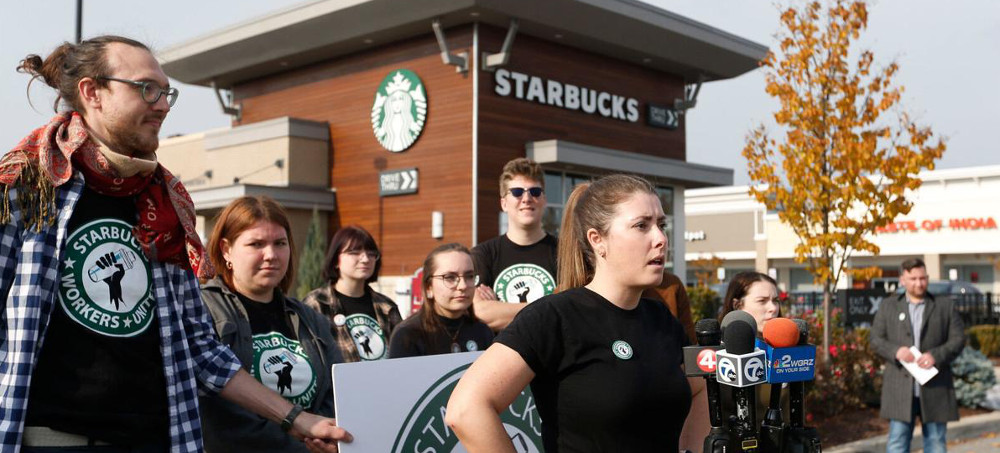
<point>781,333</point>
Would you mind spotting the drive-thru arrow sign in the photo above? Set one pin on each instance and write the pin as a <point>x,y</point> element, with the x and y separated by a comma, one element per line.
<point>398,182</point>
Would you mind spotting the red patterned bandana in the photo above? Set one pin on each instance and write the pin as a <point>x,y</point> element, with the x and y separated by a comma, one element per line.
<point>166,223</point>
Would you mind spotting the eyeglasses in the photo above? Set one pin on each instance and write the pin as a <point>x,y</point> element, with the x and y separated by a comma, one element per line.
<point>356,254</point>
<point>151,91</point>
<point>451,280</point>
<point>518,192</point>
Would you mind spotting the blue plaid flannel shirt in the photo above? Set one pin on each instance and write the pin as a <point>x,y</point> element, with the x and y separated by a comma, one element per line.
<point>193,359</point>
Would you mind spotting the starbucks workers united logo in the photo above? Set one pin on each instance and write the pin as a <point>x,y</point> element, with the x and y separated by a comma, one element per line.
<point>105,283</point>
<point>523,283</point>
<point>425,431</point>
<point>367,335</point>
<point>281,365</point>
<point>399,111</point>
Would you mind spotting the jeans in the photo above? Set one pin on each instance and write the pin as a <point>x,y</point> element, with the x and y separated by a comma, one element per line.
<point>901,433</point>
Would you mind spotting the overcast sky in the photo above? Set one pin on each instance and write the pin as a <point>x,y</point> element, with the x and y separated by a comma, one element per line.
<point>949,56</point>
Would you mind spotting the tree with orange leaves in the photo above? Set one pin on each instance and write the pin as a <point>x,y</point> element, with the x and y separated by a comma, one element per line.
<point>848,155</point>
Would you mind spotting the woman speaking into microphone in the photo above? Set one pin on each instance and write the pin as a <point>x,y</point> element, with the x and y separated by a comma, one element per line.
<point>603,364</point>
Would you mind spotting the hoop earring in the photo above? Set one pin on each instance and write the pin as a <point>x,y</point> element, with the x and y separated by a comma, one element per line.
<point>229,264</point>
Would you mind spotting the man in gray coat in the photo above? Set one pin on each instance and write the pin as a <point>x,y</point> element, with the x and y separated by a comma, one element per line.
<point>916,318</point>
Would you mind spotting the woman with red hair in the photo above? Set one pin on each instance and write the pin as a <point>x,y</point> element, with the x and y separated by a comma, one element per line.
<point>280,342</point>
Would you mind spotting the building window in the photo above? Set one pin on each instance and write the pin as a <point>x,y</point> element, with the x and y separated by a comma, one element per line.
<point>558,186</point>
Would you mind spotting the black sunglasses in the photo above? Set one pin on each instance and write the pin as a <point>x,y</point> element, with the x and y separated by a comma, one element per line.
<point>518,192</point>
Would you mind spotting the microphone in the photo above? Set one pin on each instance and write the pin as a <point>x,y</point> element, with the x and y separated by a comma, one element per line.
<point>741,365</point>
<point>779,334</point>
<point>701,361</point>
<point>800,368</point>
<point>796,388</point>
<point>738,315</point>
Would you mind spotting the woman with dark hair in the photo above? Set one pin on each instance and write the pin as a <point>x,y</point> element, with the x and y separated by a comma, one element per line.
<point>282,343</point>
<point>604,364</point>
<point>363,319</point>
<point>446,323</point>
<point>754,293</point>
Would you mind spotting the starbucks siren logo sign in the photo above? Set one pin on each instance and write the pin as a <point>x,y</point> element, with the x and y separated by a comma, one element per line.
<point>105,283</point>
<point>523,283</point>
<point>425,431</point>
<point>399,111</point>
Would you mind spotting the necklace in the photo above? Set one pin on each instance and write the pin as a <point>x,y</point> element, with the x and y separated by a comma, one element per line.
<point>454,340</point>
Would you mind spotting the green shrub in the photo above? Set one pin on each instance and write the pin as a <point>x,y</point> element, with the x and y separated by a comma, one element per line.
<point>310,267</point>
<point>705,303</point>
<point>985,338</point>
<point>973,377</point>
<point>852,379</point>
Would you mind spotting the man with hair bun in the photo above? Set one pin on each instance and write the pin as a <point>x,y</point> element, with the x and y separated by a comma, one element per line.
<point>105,340</point>
<point>517,267</point>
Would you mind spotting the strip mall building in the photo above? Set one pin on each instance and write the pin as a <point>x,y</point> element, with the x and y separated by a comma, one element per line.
<point>952,227</point>
<point>398,115</point>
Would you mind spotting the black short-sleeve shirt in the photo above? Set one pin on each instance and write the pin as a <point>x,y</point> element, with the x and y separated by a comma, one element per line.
<point>606,379</point>
<point>517,273</point>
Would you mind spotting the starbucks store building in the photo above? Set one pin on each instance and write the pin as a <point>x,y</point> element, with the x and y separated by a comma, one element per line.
<point>398,116</point>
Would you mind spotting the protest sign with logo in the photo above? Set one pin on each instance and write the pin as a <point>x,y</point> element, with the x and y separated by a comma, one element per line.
<point>398,405</point>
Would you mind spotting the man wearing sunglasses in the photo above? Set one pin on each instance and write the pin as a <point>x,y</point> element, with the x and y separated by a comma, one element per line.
<point>106,343</point>
<point>517,267</point>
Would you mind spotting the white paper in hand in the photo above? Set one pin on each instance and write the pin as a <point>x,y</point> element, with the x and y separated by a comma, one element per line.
<point>922,375</point>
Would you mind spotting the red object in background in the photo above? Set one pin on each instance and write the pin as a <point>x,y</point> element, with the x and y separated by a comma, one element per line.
<point>974,277</point>
<point>416,290</point>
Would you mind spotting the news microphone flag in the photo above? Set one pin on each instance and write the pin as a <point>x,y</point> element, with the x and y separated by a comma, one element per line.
<point>741,370</point>
<point>794,364</point>
<point>740,364</point>
<point>786,360</point>
<point>700,360</point>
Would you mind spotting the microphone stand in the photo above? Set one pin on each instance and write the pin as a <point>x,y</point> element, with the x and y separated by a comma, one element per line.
<point>772,429</point>
<point>800,438</point>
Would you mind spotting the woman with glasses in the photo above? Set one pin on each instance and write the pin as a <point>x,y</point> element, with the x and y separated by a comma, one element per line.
<point>604,364</point>
<point>281,342</point>
<point>446,323</point>
<point>362,319</point>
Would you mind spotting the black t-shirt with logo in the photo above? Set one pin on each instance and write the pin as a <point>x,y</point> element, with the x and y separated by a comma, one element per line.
<point>100,370</point>
<point>606,379</point>
<point>357,305</point>
<point>517,273</point>
<point>279,360</point>
<point>458,335</point>
<point>369,338</point>
<point>267,317</point>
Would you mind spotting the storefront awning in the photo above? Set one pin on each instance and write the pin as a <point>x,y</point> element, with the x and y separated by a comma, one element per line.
<point>213,198</point>
<point>569,156</point>
<point>324,29</point>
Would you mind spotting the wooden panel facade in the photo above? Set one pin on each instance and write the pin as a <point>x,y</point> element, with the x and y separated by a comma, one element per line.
<point>506,124</point>
<point>341,92</point>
